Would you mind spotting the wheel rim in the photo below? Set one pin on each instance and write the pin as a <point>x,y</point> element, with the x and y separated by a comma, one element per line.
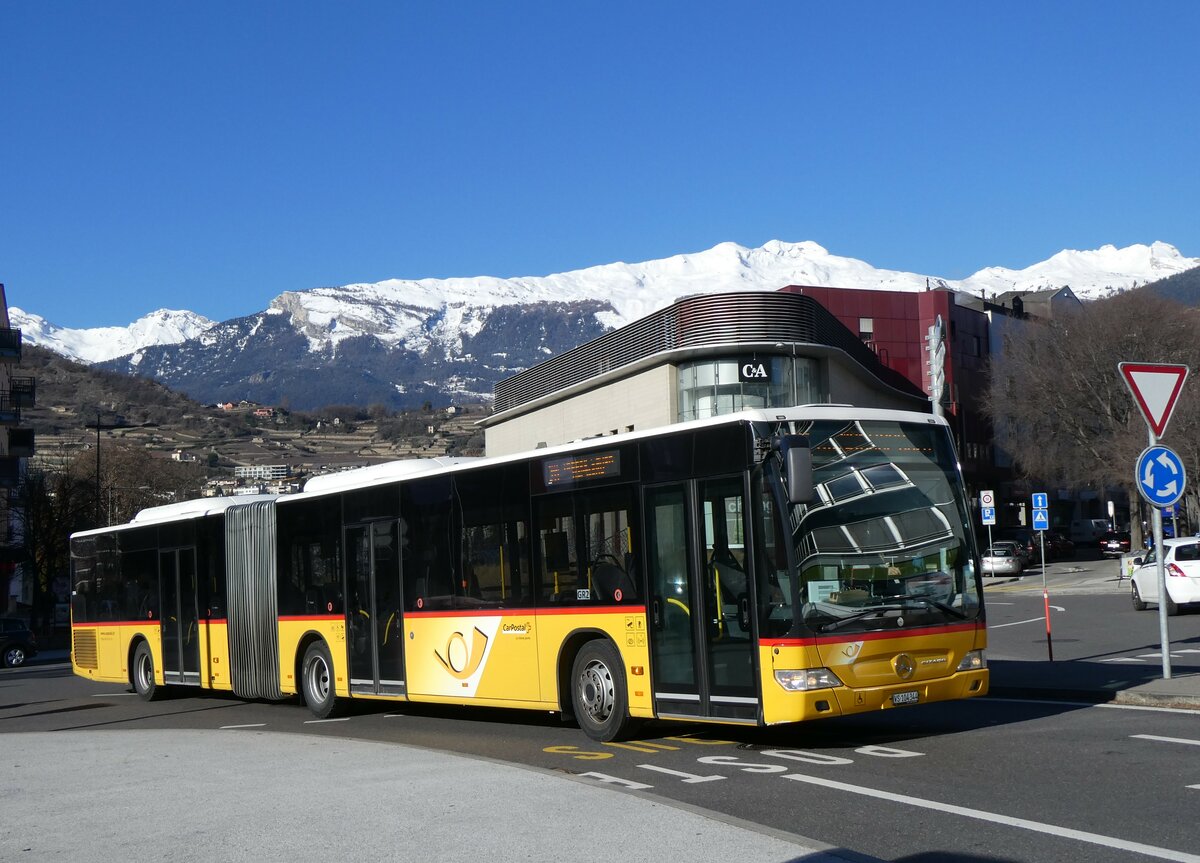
<point>318,679</point>
<point>15,657</point>
<point>596,691</point>
<point>145,672</point>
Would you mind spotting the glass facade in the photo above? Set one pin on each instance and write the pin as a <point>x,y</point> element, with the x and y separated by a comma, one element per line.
<point>719,386</point>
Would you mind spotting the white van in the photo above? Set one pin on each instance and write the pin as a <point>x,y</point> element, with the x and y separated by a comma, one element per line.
<point>1088,531</point>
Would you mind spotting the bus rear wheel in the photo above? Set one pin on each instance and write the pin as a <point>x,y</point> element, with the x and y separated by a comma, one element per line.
<point>598,693</point>
<point>317,680</point>
<point>143,673</point>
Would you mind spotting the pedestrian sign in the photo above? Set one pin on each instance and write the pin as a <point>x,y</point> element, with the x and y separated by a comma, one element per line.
<point>1041,519</point>
<point>1160,476</point>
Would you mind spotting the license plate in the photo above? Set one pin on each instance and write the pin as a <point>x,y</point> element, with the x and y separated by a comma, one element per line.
<point>909,697</point>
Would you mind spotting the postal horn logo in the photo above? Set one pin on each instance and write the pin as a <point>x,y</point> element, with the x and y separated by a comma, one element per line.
<point>460,658</point>
<point>904,666</point>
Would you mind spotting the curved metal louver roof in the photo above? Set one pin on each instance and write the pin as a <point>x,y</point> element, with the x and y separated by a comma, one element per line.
<point>706,319</point>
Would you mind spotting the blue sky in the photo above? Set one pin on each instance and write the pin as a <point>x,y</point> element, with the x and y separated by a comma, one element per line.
<point>211,155</point>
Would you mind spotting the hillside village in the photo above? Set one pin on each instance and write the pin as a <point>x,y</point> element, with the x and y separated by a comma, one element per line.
<point>244,447</point>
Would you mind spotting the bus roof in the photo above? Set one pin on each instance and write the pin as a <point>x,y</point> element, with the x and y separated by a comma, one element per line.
<point>385,472</point>
<point>186,509</point>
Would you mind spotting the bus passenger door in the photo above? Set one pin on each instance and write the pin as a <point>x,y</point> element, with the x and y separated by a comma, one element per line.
<point>180,617</point>
<point>374,646</point>
<point>701,628</point>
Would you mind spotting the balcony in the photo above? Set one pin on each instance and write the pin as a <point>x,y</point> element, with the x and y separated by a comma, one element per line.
<point>10,472</point>
<point>20,395</point>
<point>16,442</point>
<point>10,345</point>
<point>23,391</point>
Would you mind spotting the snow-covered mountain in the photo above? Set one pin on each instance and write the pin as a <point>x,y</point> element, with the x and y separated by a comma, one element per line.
<point>95,345</point>
<point>401,341</point>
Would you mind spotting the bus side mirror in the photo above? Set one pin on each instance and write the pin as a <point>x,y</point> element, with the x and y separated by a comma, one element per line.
<point>798,472</point>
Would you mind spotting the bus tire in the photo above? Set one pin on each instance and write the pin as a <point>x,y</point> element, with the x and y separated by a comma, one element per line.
<point>317,681</point>
<point>142,673</point>
<point>598,692</point>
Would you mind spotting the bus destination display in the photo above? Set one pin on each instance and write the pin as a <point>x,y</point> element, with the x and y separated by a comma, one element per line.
<point>580,468</point>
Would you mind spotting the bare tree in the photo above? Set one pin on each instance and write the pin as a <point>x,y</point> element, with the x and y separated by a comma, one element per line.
<point>1060,406</point>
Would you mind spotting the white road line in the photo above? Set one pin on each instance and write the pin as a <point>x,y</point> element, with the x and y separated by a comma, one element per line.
<point>1007,820</point>
<point>251,725</point>
<point>1124,659</point>
<point>319,721</point>
<point>1166,739</point>
<point>1017,623</point>
<point>1106,706</point>
<point>111,694</point>
<point>689,778</point>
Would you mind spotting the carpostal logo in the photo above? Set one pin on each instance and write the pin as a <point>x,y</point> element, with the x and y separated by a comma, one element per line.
<point>517,628</point>
<point>460,658</point>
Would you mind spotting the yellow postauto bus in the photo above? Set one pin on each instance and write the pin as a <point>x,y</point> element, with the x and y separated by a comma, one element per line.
<point>762,568</point>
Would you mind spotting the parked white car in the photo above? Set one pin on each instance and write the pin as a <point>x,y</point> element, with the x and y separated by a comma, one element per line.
<point>1001,559</point>
<point>1182,564</point>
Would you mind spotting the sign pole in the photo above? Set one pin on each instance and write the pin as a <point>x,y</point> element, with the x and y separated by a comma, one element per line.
<point>1160,573</point>
<point>1159,472</point>
<point>1046,597</point>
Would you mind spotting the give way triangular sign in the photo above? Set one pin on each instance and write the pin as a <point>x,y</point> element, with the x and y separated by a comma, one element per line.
<point>1155,388</point>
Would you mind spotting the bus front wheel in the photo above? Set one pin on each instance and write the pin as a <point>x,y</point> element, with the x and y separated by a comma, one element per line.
<point>317,676</point>
<point>143,673</point>
<point>598,692</point>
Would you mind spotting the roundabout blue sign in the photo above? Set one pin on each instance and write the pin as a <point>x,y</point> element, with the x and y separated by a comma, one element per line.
<point>1160,476</point>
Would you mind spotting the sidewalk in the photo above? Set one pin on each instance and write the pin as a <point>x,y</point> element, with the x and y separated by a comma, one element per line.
<point>1075,680</point>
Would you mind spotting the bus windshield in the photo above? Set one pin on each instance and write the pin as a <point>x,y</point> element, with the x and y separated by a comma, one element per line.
<point>886,542</point>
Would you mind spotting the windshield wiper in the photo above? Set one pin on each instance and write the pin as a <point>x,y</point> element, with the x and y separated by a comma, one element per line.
<point>926,600</point>
<point>873,611</point>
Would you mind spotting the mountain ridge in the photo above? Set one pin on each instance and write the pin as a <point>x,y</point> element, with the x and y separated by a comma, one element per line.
<point>403,342</point>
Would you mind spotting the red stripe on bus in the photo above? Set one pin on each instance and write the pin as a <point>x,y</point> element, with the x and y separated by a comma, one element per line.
<point>513,612</point>
<point>304,617</point>
<point>815,641</point>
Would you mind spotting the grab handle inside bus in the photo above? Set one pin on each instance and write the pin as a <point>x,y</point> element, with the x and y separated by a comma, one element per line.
<point>797,465</point>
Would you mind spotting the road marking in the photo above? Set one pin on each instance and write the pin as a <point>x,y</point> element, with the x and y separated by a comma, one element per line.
<point>251,725</point>
<point>613,780</point>
<point>319,721</point>
<point>1008,820</point>
<point>1017,623</point>
<point>1166,739</point>
<point>689,778</point>
<point>111,694</point>
<point>642,746</point>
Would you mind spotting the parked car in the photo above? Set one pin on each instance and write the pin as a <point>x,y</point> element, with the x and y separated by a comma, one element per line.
<point>1001,559</point>
<point>1058,546</point>
<point>1115,544</point>
<point>17,642</point>
<point>1026,542</point>
<point>1182,563</point>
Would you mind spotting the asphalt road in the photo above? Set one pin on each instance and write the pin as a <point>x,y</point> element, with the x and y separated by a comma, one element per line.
<point>987,779</point>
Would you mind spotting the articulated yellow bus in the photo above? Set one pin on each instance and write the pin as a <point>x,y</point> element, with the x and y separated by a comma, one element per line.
<point>762,568</point>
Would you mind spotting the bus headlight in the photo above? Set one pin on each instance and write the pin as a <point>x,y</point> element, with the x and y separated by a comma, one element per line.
<point>973,661</point>
<point>804,679</point>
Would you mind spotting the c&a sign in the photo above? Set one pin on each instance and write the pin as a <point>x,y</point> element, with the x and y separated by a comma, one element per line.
<point>754,371</point>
